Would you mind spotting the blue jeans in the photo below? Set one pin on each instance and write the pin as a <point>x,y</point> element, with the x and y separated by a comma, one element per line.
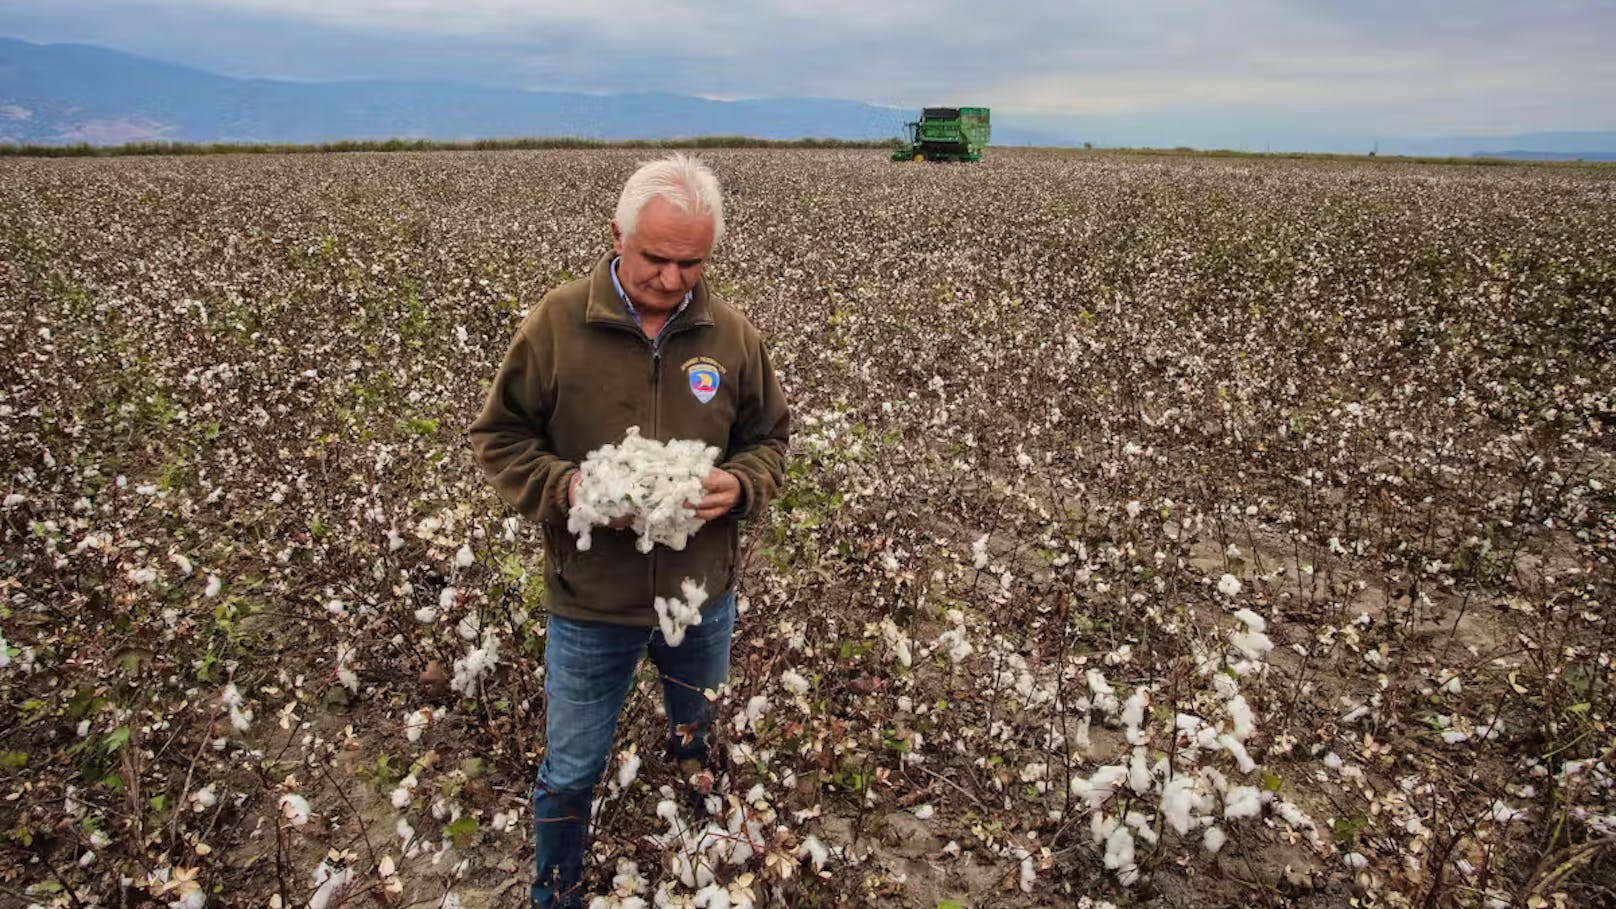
<point>588,670</point>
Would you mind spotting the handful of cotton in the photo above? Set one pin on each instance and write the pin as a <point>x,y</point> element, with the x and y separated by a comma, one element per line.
<point>646,482</point>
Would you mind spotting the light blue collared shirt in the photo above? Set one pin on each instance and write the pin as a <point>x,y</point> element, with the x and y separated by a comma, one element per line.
<point>635,313</point>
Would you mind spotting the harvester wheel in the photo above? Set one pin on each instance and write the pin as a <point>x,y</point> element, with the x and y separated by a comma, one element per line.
<point>920,156</point>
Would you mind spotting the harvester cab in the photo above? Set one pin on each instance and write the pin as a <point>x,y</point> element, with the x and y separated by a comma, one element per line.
<point>945,134</point>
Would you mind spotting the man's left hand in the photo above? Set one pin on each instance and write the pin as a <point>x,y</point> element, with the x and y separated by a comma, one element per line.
<point>722,494</point>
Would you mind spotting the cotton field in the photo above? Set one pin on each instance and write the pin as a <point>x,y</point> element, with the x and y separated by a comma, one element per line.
<point>1158,531</point>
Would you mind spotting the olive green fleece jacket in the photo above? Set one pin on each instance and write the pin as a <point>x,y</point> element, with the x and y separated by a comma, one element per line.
<point>579,373</point>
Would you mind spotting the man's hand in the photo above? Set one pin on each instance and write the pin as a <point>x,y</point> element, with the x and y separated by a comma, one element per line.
<point>723,493</point>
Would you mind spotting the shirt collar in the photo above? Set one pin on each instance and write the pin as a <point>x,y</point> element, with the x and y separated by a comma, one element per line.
<point>628,304</point>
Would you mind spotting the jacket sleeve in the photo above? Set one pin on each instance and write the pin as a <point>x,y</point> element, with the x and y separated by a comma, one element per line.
<point>509,438</point>
<point>760,436</point>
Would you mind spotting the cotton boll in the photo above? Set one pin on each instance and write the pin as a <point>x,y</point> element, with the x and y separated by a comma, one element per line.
<point>476,663</point>
<point>204,798</point>
<point>979,552</point>
<point>1253,645</point>
<point>953,643</point>
<point>328,884</point>
<point>793,682</point>
<point>1178,804</point>
<point>1503,814</point>
<point>1133,716</point>
<point>1213,839</point>
<point>1119,849</point>
<point>1238,751</point>
<point>1096,789</point>
<point>1294,816</point>
<point>464,557</point>
<point>668,810</point>
<point>1229,585</point>
<point>295,808</point>
<point>712,896</point>
<point>1141,827</point>
<point>1240,714</point>
<point>1139,778</point>
<point>755,706</point>
<point>1251,620</point>
<point>629,770</point>
<point>240,717</point>
<point>415,723</point>
<point>404,792</point>
<point>814,850</point>
<point>214,586</point>
<point>1241,802</point>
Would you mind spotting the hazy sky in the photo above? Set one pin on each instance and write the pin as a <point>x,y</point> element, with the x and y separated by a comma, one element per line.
<point>1359,67</point>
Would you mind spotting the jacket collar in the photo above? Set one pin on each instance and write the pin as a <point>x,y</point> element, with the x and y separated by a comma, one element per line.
<point>606,307</point>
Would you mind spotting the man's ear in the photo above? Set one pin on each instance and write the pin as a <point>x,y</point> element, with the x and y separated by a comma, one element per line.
<point>617,238</point>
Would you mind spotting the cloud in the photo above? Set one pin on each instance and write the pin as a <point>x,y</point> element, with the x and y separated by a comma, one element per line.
<point>1488,66</point>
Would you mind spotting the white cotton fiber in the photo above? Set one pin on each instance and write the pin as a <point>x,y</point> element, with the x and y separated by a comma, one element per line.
<point>646,482</point>
<point>676,615</point>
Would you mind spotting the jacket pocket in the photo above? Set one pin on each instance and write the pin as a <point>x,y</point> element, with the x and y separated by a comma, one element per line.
<point>553,549</point>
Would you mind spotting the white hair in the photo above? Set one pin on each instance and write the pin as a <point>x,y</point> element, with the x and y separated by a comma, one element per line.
<point>679,178</point>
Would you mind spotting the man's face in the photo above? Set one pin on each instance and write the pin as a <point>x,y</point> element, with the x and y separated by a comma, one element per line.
<point>664,257</point>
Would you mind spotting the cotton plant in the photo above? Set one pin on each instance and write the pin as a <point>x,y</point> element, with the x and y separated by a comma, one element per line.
<point>700,856</point>
<point>645,483</point>
<point>1197,792</point>
<point>478,662</point>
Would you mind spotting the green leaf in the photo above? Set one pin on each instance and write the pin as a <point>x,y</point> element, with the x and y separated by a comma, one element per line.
<point>12,760</point>
<point>950,904</point>
<point>1270,781</point>
<point>117,739</point>
<point>1346,830</point>
<point>462,831</point>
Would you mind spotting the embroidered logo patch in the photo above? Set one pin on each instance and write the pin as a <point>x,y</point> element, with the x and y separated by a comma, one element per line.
<point>705,375</point>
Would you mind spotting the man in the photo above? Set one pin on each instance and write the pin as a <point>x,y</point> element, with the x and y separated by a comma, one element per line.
<point>640,342</point>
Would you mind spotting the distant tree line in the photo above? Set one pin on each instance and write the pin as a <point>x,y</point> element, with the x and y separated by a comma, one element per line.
<point>81,150</point>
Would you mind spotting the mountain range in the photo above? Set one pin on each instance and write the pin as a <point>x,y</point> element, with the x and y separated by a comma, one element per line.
<point>57,94</point>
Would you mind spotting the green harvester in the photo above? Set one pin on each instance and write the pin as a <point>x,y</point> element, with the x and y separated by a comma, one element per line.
<point>946,134</point>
